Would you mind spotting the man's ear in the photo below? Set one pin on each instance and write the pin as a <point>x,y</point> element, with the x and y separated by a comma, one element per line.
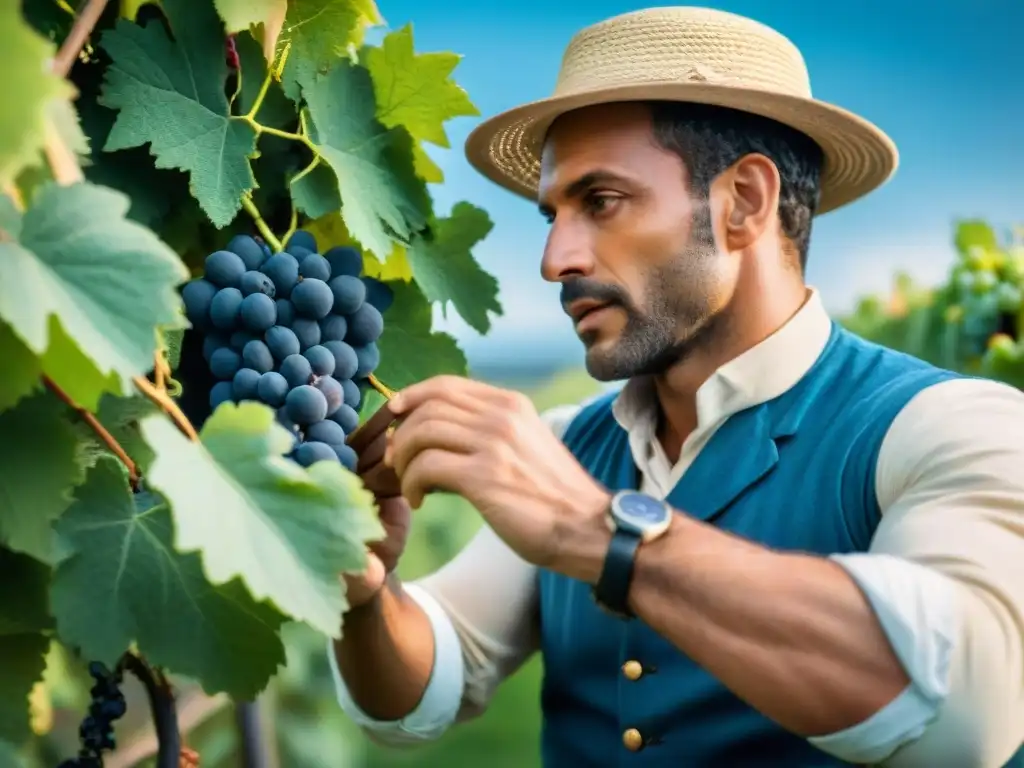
<point>748,193</point>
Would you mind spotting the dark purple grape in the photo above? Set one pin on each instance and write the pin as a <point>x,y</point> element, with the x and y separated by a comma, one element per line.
<point>347,456</point>
<point>333,328</point>
<point>256,355</point>
<point>283,269</point>
<point>273,389</point>
<point>345,260</point>
<point>369,358</point>
<point>306,405</point>
<point>220,393</point>
<point>315,265</point>
<point>296,370</point>
<point>353,397</point>
<point>243,386</point>
<point>345,360</point>
<point>302,239</point>
<point>251,252</point>
<point>257,282</point>
<point>320,359</point>
<point>349,294</point>
<point>212,343</point>
<point>258,312</point>
<point>282,342</point>
<point>365,325</point>
<point>224,269</point>
<point>332,392</point>
<point>309,453</point>
<point>240,338</point>
<point>307,331</point>
<point>312,298</point>
<point>285,312</point>
<point>197,295</point>
<point>378,293</point>
<point>224,363</point>
<point>225,307</point>
<point>326,431</point>
<point>346,418</point>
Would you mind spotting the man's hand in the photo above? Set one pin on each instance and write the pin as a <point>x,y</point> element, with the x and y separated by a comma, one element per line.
<point>491,447</point>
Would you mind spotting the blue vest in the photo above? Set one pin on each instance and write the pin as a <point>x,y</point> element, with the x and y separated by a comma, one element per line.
<point>795,473</point>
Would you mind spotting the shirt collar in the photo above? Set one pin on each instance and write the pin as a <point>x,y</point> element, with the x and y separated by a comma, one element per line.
<point>760,374</point>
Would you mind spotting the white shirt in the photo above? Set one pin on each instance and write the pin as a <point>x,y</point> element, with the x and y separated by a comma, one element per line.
<point>944,572</point>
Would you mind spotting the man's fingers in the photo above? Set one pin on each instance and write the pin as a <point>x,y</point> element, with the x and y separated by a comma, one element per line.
<point>374,426</point>
<point>432,470</point>
<point>433,433</point>
<point>468,393</point>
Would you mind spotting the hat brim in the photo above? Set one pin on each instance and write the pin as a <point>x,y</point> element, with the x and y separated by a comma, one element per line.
<point>859,156</point>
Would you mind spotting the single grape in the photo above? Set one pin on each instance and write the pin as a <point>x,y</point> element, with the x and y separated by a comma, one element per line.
<point>364,326</point>
<point>326,431</point>
<point>306,405</point>
<point>225,307</point>
<point>220,393</point>
<point>303,239</point>
<point>273,388</point>
<point>99,671</point>
<point>282,342</point>
<point>243,386</point>
<point>353,397</point>
<point>368,356</point>
<point>296,370</point>
<point>283,419</point>
<point>285,312</point>
<point>312,298</point>
<point>345,360</point>
<point>308,454</point>
<point>258,312</point>
<point>256,355</point>
<point>224,269</point>
<point>332,392</point>
<point>349,294</point>
<point>320,359</point>
<point>224,363</point>
<point>197,296</point>
<point>240,338</point>
<point>113,709</point>
<point>251,252</point>
<point>298,252</point>
<point>347,456</point>
<point>307,331</point>
<point>257,282</point>
<point>315,265</point>
<point>378,293</point>
<point>344,260</point>
<point>333,328</point>
<point>283,269</point>
<point>212,343</point>
<point>1009,296</point>
<point>346,418</point>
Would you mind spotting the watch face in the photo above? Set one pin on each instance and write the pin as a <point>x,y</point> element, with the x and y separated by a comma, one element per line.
<point>641,510</point>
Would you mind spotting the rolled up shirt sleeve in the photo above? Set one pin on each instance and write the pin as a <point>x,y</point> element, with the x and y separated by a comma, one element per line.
<point>945,575</point>
<point>482,608</point>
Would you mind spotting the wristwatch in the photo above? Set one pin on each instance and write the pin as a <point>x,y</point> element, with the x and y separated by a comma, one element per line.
<point>635,518</point>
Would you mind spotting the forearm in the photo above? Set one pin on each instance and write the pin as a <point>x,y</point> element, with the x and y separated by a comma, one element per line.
<point>386,654</point>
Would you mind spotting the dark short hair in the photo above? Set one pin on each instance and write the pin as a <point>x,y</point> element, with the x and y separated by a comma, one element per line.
<point>709,139</point>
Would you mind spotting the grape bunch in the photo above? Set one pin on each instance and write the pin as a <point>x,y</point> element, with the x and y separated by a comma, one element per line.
<point>987,286</point>
<point>295,330</point>
<point>97,729</point>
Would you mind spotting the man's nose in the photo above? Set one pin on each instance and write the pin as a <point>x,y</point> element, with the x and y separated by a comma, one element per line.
<point>568,253</point>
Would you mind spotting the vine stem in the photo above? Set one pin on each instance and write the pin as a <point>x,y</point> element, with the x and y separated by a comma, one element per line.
<point>261,225</point>
<point>99,429</point>
<point>162,707</point>
<point>381,387</point>
<point>168,405</point>
<point>76,39</point>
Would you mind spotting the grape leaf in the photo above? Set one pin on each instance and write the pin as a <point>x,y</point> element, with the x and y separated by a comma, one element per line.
<point>415,90</point>
<point>239,15</point>
<point>23,642</point>
<point>286,531</point>
<point>109,281</point>
<point>36,475</point>
<point>150,594</point>
<point>171,94</point>
<point>315,193</point>
<point>409,350</point>
<point>276,111</point>
<point>120,416</point>
<point>445,268</point>
<point>28,82</point>
<point>21,368</point>
<point>381,196</point>
<point>320,32</point>
<point>974,234</point>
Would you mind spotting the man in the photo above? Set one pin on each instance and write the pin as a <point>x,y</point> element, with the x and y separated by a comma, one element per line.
<point>779,545</point>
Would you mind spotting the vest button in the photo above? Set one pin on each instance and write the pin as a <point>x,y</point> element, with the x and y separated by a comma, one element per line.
<point>632,739</point>
<point>632,669</point>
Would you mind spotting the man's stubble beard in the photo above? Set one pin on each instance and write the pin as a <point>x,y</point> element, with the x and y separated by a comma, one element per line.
<point>678,318</point>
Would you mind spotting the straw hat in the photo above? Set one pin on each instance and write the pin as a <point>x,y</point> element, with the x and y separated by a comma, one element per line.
<point>695,55</point>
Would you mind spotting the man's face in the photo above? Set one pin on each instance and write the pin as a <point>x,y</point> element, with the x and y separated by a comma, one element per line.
<point>634,252</point>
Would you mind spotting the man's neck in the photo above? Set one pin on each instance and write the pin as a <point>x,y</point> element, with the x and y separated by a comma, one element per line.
<point>746,325</point>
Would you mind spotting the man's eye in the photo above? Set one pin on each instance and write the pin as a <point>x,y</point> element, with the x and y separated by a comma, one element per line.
<point>601,203</point>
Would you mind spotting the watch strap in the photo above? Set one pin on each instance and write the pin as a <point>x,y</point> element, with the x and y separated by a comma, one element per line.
<point>611,591</point>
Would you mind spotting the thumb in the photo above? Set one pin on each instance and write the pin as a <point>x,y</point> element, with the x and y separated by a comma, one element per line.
<point>363,587</point>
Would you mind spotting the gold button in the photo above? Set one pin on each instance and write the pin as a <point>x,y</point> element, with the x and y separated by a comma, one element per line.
<point>632,669</point>
<point>632,739</point>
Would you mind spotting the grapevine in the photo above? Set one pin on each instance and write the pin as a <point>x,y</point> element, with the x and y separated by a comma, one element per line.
<point>218,256</point>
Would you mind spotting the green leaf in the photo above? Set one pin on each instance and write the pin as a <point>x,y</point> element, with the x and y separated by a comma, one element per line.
<point>28,83</point>
<point>445,269</point>
<point>975,234</point>
<point>125,583</point>
<point>409,350</point>
<point>316,193</point>
<point>109,281</point>
<point>320,32</point>
<point>276,111</point>
<point>286,531</point>
<point>381,196</point>
<point>24,620</point>
<point>21,368</point>
<point>416,90</point>
<point>171,95</point>
<point>39,451</point>
<point>239,15</point>
<point>121,417</point>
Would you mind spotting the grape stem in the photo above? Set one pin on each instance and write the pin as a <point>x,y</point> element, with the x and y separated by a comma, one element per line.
<point>379,385</point>
<point>101,431</point>
<point>164,401</point>
<point>78,36</point>
<point>261,225</point>
<point>162,707</point>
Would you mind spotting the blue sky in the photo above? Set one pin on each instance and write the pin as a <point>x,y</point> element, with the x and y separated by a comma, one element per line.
<point>945,79</point>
